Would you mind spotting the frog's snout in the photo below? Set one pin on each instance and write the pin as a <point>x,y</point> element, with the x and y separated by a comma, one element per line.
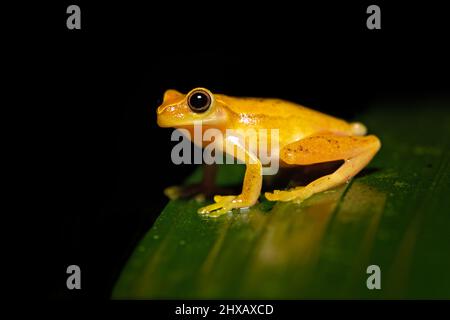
<point>161,109</point>
<point>165,115</point>
<point>160,118</point>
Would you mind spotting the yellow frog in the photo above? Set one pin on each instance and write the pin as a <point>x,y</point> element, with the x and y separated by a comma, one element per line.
<point>305,137</point>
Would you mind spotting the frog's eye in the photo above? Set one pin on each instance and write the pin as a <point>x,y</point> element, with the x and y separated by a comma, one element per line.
<point>199,101</point>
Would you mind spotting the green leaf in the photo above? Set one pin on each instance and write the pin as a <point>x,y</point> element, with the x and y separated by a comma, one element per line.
<point>395,214</point>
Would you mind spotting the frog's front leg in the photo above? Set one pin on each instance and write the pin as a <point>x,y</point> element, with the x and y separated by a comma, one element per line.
<point>250,190</point>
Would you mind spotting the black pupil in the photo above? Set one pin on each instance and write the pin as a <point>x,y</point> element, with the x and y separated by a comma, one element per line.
<point>199,101</point>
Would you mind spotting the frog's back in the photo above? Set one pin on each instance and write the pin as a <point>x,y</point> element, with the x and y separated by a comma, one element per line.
<point>263,106</point>
<point>287,113</point>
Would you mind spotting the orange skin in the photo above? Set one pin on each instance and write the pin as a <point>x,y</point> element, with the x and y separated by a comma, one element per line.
<point>306,137</point>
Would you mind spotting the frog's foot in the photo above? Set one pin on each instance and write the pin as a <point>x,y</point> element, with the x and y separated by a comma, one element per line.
<point>297,194</point>
<point>222,205</point>
<point>200,191</point>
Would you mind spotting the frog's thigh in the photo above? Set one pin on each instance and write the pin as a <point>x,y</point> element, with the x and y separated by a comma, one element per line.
<point>356,151</point>
<point>324,148</point>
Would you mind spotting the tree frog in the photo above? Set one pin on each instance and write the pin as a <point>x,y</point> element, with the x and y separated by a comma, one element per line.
<point>306,137</point>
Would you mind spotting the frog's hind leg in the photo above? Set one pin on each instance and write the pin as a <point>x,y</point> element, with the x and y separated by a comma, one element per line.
<point>357,151</point>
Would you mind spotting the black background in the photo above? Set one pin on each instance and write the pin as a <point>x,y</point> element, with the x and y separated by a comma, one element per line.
<point>100,162</point>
